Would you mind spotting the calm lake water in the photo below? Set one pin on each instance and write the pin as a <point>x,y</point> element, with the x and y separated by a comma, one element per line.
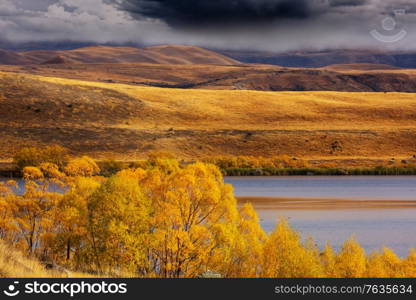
<point>373,227</point>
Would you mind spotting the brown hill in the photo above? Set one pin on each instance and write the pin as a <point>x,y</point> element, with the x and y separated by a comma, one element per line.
<point>57,60</point>
<point>348,78</point>
<point>317,59</point>
<point>13,58</point>
<point>175,66</point>
<point>103,54</point>
<point>360,67</point>
<point>126,122</point>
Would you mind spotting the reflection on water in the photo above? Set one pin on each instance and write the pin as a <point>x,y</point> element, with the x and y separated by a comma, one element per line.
<point>373,227</point>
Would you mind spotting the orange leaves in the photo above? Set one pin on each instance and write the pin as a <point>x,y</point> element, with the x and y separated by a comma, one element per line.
<point>286,256</point>
<point>83,166</point>
<point>32,173</point>
<point>167,220</point>
<point>51,170</point>
<point>351,261</point>
<point>33,157</point>
<point>118,223</point>
<point>385,264</point>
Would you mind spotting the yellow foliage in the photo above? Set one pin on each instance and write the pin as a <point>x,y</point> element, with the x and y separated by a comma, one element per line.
<point>118,224</point>
<point>32,173</point>
<point>385,265</point>
<point>33,157</point>
<point>285,256</point>
<point>351,261</point>
<point>166,220</point>
<point>409,265</point>
<point>328,260</point>
<point>257,162</point>
<point>83,166</point>
<point>51,170</point>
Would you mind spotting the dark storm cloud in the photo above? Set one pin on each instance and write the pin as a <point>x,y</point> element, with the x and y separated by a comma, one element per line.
<point>204,12</point>
<point>275,25</point>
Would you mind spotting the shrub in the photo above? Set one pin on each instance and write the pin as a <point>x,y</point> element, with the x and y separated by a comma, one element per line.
<point>34,157</point>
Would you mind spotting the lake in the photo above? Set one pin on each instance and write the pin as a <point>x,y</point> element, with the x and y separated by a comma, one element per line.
<point>379,211</point>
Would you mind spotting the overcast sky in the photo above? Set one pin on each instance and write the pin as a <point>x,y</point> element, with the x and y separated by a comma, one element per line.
<point>278,25</point>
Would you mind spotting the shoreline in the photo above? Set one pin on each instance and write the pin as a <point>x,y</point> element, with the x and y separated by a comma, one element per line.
<point>364,171</point>
<point>273,203</point>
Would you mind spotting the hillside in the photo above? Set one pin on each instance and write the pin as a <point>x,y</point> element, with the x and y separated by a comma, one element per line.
<point>168,54</point>
<point>175,66</point>
<point>347,78</point>
<point>317,59</point>
<point>13,58</point>
<point>14,264</point>
<point>126,122</point>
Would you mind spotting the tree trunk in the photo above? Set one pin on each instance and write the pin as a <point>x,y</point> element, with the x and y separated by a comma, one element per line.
<point>68,250</point>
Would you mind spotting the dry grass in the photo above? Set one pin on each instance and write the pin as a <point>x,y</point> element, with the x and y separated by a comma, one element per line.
<point>165,54</point>
<point>126,122</point>
<point>349,78</point>
<point>14,264</point>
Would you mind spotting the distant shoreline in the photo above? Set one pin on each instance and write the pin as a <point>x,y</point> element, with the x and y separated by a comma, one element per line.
<point>273,203</point>
<point>365,171</point>
<point>9,171</point>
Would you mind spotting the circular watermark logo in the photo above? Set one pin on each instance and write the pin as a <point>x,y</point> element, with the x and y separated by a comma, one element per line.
<point>390,28</point>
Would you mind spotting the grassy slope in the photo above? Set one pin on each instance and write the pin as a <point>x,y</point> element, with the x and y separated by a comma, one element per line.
<point>348,78</point>
<point>14,264</point>
<point>125,122</point>
<point>165,54</point>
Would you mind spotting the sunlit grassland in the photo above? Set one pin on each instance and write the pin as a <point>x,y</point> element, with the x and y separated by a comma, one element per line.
<point>125,121</point>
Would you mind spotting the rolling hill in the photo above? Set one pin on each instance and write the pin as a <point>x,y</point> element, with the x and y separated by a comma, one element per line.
<point>318,59</point>
<point>175,66</point>
<point>126,122</point>
<point>166,54</point>
<point>347,78</point>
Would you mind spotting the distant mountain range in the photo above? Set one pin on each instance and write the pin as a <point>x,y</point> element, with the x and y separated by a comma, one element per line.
<point>325,58</point>
<point>177,54</point>
<point>166,54</point>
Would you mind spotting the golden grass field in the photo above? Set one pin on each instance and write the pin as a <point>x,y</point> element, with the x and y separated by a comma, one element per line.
<point>15,264</point>
<point>348,78</point>
<point>125,121</point>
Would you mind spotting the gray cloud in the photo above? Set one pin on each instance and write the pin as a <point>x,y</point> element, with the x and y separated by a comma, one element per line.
<point>278,25</point>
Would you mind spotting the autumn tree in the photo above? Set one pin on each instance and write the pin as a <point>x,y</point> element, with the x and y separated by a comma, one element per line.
<point>409,265</point>
<point>328,261</point>
<point>33,157</point>
<point>8,227</point>
<point>167,219</point>
<point>285,256</point>
<point>71,224</point>
<point>118,224</point>
<point>384,264</point>
<point>188,204</point>
<point>83,166</point>
<point>240,246</point>
<point>33,210</point>
<point>351,262</point>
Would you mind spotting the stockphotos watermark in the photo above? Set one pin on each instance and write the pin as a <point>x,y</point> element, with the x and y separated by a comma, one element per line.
<point>71,289</point>
<point>390,29</point>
